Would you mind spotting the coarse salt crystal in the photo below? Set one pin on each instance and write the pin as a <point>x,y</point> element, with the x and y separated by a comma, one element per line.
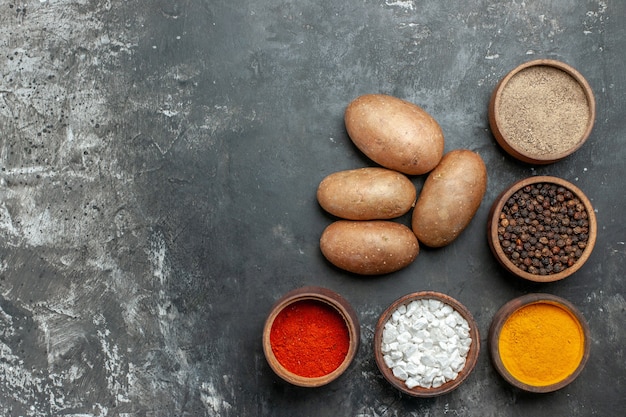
<point>434,304</point>
<point>396,316</point>
<point>411,369</point>
<point>423,334</point>
<point>390,335</point>
<point>400,373</point>
<point>412,382</point>
<point>429,316</point>
<point>450,321</point>
<point>435,334</point>
<point>449,374</point>
<point>438,381</point>
<point>443,361</point>
<point>409,350</point>
<point>428,360</point>
<point>404,337</point>
<point>411,308</point>
<point>415,358</point>
<point>448,331</point>
<point>457,363</point>
<point>388,361</point>
<point>453,341</point>
<point>420,323</point>
<point>396,354</point>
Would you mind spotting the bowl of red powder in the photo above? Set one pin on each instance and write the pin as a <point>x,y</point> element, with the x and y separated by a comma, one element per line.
<point>542,111</point>
<point>311,336</point>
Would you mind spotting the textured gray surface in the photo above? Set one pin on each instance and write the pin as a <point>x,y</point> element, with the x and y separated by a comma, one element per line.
<point>159,162</point>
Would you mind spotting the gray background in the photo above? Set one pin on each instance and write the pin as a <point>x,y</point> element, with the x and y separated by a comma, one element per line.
<point>159,161</point>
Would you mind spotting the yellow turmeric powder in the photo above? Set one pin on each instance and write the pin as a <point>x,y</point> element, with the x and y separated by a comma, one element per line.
<point>541,344</point>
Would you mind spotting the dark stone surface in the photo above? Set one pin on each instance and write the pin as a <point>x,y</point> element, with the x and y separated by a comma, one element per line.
<point>159,162</point>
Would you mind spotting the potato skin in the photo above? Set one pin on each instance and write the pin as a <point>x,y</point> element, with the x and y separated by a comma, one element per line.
<point>366,194</point>
<point>450,198</point>
<point>372,247</point>
<point>395,133</point>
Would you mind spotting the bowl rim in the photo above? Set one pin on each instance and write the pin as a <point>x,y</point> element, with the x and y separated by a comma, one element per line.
<point>512,306</point>
<point>509,146</point>
<point>494,219</point>
<point>340,305</point>
<point>472,355</point>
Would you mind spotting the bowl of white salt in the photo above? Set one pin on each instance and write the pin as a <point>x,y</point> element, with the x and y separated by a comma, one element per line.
<point>426,344</point>
<point>542,111</point>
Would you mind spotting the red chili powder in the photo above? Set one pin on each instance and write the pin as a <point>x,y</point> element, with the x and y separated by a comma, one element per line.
<point>309,338</point>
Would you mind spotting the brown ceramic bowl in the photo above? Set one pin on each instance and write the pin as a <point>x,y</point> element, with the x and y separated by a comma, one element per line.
<point>330,298</point>
<point>515,305</point>
<point>542,111</point>
<point>495,222</point>
<point>472,355</point>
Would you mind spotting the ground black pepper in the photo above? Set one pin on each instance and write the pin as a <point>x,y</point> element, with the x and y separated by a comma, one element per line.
<point>543,228</point>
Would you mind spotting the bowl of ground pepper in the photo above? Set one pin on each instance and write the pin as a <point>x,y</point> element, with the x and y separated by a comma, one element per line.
<point>539,342</point>
<point>542,111</point>
<point>311,336</point>
<point>542,229</point>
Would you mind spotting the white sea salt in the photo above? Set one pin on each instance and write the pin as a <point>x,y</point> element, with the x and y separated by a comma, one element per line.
<point>425,343</point>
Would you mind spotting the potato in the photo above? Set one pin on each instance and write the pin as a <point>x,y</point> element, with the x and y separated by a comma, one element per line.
<point>395,133</point>
<point>371,247</point>
<point>450,198</point>
<point>366,194</point>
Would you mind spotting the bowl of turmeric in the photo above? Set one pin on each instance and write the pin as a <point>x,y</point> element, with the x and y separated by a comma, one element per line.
<point>539,342</point>
<point>311,336</point>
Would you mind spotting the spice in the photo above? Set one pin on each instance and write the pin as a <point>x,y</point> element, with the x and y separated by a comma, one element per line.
<point>309,338</point>
<point>543,229</point>
<point>425,343</point>
<point>543,110</point>
<point>541,344</point>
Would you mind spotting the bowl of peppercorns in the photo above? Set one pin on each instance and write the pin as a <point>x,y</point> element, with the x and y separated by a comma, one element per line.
<point>542,229</point>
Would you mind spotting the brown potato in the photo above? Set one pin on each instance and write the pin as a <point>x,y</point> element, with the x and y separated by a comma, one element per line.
<point>369,247</point>
<point>450,198</point>
<point>395,133</point>
<point>366,194</point>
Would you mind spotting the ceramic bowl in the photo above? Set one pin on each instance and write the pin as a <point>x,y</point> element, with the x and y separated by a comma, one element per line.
<point>510,308</point>
<point>515,116</point>
<point>495,222</point>
<point>471,358</point>
<point>330,298</point>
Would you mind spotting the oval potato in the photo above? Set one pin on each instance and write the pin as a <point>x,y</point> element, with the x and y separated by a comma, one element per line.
<point>372,247</point>
<point>450,198</point>
<point>395,133</point>
<point>366,194</point>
